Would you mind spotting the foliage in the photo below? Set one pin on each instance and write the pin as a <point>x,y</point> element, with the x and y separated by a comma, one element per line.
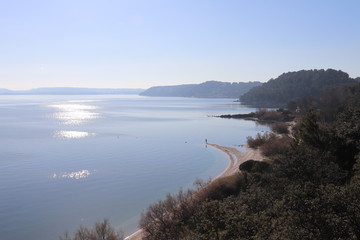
<point>253,166</point>
<point>307,191</point>
<point>100,231</point>
<point>269,143</point>
<point>346,137</point>
<point>264,115</point>
<point>260,139</point>
<point>309,132</point>
<point>163,219</point>
<point>294,85</point>
<point>280,128</point>
<point>275,146</point>
<point>331,102</point>
<point>280,115</point>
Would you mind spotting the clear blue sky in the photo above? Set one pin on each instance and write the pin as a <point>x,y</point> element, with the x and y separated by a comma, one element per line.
<point>141,43</point>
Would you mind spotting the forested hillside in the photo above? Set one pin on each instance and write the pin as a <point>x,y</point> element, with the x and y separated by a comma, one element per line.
<point>308,189</point>
<point>210,89</point>
<point>329,102</point>
<point>293,86</point>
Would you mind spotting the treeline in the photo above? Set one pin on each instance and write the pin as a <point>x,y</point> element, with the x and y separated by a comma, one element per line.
<point>263,115</point>
<point>209,89</point>
<point>309,189</point>
<point>328,103</point>
<point>293,86</point>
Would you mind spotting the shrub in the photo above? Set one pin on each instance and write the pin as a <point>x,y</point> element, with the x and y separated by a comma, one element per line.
<point>259,140</point>
<point>276,146</point>
<point>252,166</point>
<point>279,115</point>
<point>100,231</point>
<point>272,115</point>
<point>224,187</point>
<point>279,127</point>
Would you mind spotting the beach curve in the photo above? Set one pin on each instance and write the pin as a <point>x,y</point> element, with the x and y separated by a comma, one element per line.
<point>235,157</point>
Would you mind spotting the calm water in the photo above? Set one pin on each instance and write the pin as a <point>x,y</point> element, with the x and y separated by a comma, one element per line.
<point>67,161</point>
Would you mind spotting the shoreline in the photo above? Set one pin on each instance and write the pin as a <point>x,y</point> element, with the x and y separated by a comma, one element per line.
<point>235,157</point>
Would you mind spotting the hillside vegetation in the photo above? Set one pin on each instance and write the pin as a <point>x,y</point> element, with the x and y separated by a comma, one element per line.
<point>210,89</point>
<point>293,86</point>
<point>309,188</point>
<point>328,103</point>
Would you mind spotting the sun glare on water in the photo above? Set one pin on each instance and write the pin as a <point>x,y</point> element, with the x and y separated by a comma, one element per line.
<point>72,134</point>
<point>74,114</point>
<point>74,175</point>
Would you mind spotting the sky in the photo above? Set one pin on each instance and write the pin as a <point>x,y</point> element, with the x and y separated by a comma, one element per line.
<point>144,43</point>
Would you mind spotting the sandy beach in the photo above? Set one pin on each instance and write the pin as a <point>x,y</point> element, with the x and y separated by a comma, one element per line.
<point>235,157</point>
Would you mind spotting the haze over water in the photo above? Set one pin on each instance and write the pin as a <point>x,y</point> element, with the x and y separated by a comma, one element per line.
<point>72,160</point>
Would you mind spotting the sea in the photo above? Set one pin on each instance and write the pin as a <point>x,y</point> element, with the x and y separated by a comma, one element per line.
<point>72,160</point>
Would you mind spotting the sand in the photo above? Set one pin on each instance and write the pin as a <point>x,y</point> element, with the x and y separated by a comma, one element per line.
<point>235,157</point>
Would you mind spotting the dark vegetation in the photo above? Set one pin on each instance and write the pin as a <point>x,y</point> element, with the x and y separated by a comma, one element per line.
<point>260,139</point>
<point>280,128</point>
<point>269,143</point>
<point>264,115</point>
<point>292,86</point>
<point>253,166</point>
<point>309,188</point>
<point>210,89</point>
<point>329,103</point>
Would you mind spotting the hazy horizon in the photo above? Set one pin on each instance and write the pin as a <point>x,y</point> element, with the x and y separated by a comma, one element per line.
<point>121,88</point>
<point>67,87</point>
<point>139,44</point>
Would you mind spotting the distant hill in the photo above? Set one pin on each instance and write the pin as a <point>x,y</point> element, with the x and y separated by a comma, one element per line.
<point>5,91</point>
<point>209,89</point>
<point>294,85</point>
<point>70,91</point>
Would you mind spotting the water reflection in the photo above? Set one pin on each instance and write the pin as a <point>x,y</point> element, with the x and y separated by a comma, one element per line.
<point>74,175</point>
<point>72,134</point>
<point>74,113</point>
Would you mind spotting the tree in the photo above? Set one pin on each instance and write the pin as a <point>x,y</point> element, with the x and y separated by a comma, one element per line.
<point>347,136</point>
<point>309,132</point>
<point>100,231</point>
